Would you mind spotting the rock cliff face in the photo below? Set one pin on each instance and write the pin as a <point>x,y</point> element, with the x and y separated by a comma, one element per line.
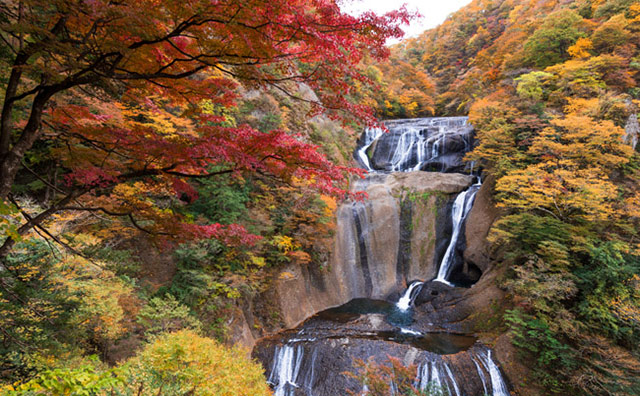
<point>381,244</point>
<point>477,227</point>
<point>413,225</point>
<point>372,257</point>
<point>315,359</point>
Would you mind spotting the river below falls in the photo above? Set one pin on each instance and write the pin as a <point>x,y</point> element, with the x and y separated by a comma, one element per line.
<point>313,358</point>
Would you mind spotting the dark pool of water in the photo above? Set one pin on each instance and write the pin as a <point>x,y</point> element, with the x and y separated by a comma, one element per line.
<point>440,343</point>
<point>361,306</point>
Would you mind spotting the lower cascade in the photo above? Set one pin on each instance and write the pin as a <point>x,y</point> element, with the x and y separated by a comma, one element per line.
<point>428,243</point>
<point>298,366</point>
<point>409,296</point>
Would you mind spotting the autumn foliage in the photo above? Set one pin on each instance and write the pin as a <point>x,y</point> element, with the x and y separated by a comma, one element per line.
<point>552,91</point>
<point>114,94</point>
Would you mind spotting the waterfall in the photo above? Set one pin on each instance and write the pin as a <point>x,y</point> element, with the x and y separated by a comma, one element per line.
<point>498,387</point>
<point>428,375</point>
<point>370,135</point>
<point>412,143</point>
<point>461,208</point>
<point>312,361</point>
<point>409,296</point>
<point>410,332</point>
<point>361,224</point>
<point>481,375</point>
<point>436,376</point>
<point>286,366</point>
<point>452,379</point>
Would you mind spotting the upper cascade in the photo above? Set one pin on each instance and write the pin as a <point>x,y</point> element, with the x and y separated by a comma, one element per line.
<point>430,144</point>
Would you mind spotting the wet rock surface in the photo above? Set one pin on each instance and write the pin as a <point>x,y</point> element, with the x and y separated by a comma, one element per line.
<point>411,223</point>
<point>479,222</point>
<point>319,357</point>
<point>430,144</point>
<point>378,263</point>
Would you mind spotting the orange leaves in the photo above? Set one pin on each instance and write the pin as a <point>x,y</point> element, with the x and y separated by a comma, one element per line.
<point>162,60</point>
<point>581,48</point>
<point>495,127</point>
<point>407,91</point>
<point>581,142</point>
<point>569,178</point>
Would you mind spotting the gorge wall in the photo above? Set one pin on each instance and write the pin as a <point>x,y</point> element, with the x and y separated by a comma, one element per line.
<point>410,224</point>
<point>377,265</point>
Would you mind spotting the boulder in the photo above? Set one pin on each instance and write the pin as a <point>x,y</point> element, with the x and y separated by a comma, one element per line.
<point>477,226</point>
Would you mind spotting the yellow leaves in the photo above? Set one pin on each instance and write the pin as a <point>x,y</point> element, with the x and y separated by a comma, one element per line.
<point>8,220</point>
<point>226,290</point>
<point>562,192</point>
<point>582,106</point>
<point>632,205</point>
<point>286,275</point>
<point>388,105</point>
<point>257,261</point>
<point>570,178</point>
<point>187,363</point>
<point>156,119</point>
<point>100,294</point>
<point>496,134</point>
<point>291,249</point>
<point>330,206</point>
<point>581,48</point>
<point>532,85</point>
<point>285,243</point>
<point>586,141</point>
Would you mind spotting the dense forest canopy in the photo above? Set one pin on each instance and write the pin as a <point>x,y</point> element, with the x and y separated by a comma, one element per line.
<point>552,90</point>
<point>157,159</point>
<point>120,92</point>
<point>152,122</point>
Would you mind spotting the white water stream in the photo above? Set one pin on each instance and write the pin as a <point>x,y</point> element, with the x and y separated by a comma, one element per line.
<point>415,142</point>
<point>286,366</point>
<point>409,296</point>
<point>498,387</point>
<point>461,208</point>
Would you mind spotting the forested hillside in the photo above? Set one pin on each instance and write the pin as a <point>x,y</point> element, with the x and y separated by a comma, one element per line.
<point>157,160</point>
<point>552,90</point>
<point>167,167</point>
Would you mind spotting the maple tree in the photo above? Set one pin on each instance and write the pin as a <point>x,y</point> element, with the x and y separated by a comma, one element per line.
<point>114,92</point>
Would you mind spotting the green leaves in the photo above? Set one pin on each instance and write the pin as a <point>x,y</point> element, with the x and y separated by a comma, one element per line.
<point>609,287</point>
<point>534,336</point>
<point>549,43</point>
<point>83,381</point>
<point>166,314</point>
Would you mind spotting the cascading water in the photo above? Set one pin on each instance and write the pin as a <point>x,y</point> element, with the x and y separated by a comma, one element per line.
<point>436,376</point>
<point>368,137</point>
<point>409,296</point>
<point>286,367</point>
<point>301,364</point>
<point>410,145</point>
<point>498,387</point>
<point>481,375</point>
<point>461,208</point>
